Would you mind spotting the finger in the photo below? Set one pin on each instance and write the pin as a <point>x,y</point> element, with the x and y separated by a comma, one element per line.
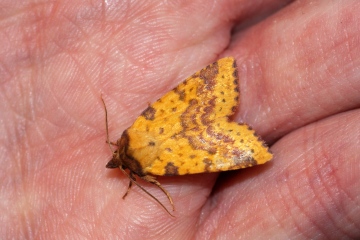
<point>299,66</point>
<point>310,189</point>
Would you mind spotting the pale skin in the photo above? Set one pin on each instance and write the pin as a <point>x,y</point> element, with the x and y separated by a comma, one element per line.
<point>299,68</point>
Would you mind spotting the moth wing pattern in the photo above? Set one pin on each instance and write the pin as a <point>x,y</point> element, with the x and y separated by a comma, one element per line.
<point>188,130</point>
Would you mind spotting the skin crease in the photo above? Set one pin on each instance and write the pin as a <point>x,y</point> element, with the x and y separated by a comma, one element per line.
<point>299,68</point>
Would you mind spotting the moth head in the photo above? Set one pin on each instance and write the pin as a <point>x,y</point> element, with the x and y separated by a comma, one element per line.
<point>117,158</point>
<point>115,161</point>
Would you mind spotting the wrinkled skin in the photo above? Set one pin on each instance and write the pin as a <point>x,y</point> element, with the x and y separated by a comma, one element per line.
<point>299,69</point>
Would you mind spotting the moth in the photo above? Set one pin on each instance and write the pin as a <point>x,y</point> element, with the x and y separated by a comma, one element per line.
<point>187,131</point>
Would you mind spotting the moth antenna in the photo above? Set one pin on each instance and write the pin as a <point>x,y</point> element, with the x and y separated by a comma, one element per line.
<point>132,180</point>
<point>106,124</point>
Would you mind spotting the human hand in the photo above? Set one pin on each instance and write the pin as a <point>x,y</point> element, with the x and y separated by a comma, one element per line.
<point>299,84</point>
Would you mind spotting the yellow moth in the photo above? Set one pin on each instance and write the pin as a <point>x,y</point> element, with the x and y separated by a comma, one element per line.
<point>188,131</point>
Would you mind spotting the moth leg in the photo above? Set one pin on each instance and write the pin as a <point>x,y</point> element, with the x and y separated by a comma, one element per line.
<point>152,180</point>
<point>131,175</point>
<point>112,143</point>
